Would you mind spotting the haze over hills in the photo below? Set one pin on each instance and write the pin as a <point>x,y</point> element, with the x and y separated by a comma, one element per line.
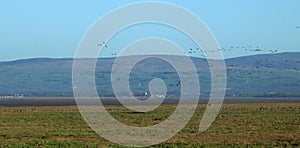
<point>258,75</point>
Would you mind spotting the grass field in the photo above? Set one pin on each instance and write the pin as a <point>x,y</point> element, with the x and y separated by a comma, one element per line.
<point>237,125</point>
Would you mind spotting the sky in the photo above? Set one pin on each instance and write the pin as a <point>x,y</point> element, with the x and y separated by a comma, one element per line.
<point>32,28</point>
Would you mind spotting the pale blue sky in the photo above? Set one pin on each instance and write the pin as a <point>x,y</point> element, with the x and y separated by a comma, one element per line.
<point>54,28</point>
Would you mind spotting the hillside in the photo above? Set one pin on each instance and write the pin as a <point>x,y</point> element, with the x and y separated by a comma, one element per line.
<point>259,75</point>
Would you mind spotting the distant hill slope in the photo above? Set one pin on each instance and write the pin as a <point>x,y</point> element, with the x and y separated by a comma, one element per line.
<point>259,75</point>
<point>265,75</point>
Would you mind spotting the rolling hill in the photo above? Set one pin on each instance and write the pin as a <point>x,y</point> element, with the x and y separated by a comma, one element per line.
<point>258,75</point>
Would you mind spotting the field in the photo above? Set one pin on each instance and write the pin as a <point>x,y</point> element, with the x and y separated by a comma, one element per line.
<point>238,125</point>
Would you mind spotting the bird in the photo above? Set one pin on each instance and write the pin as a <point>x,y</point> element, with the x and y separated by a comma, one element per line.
<point>257,49</point>
<point>273,51</point>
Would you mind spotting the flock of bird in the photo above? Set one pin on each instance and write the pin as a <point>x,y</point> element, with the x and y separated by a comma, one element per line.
<point>246,74</point>
<point>198,52</point>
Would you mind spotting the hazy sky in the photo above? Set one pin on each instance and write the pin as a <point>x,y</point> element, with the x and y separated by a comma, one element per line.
<point>54,28</point>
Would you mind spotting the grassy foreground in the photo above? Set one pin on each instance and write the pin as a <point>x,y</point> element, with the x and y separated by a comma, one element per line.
<point>237,125</point>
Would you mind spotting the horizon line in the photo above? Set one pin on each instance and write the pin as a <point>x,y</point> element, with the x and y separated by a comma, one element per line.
<point>113,57</point>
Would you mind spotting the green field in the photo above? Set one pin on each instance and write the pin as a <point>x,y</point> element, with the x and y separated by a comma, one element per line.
<point>238,125</point>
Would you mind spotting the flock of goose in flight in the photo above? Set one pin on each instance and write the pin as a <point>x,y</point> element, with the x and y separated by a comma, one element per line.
<point>256,71</point>
<point>201,53</point>
<point>196,51</point>
<point>228,49</point>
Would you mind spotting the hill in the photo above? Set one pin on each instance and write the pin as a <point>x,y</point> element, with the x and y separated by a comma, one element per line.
<point>258,75</point>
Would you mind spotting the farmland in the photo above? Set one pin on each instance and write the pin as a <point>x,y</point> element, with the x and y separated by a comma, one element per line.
<point>238,124</point>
